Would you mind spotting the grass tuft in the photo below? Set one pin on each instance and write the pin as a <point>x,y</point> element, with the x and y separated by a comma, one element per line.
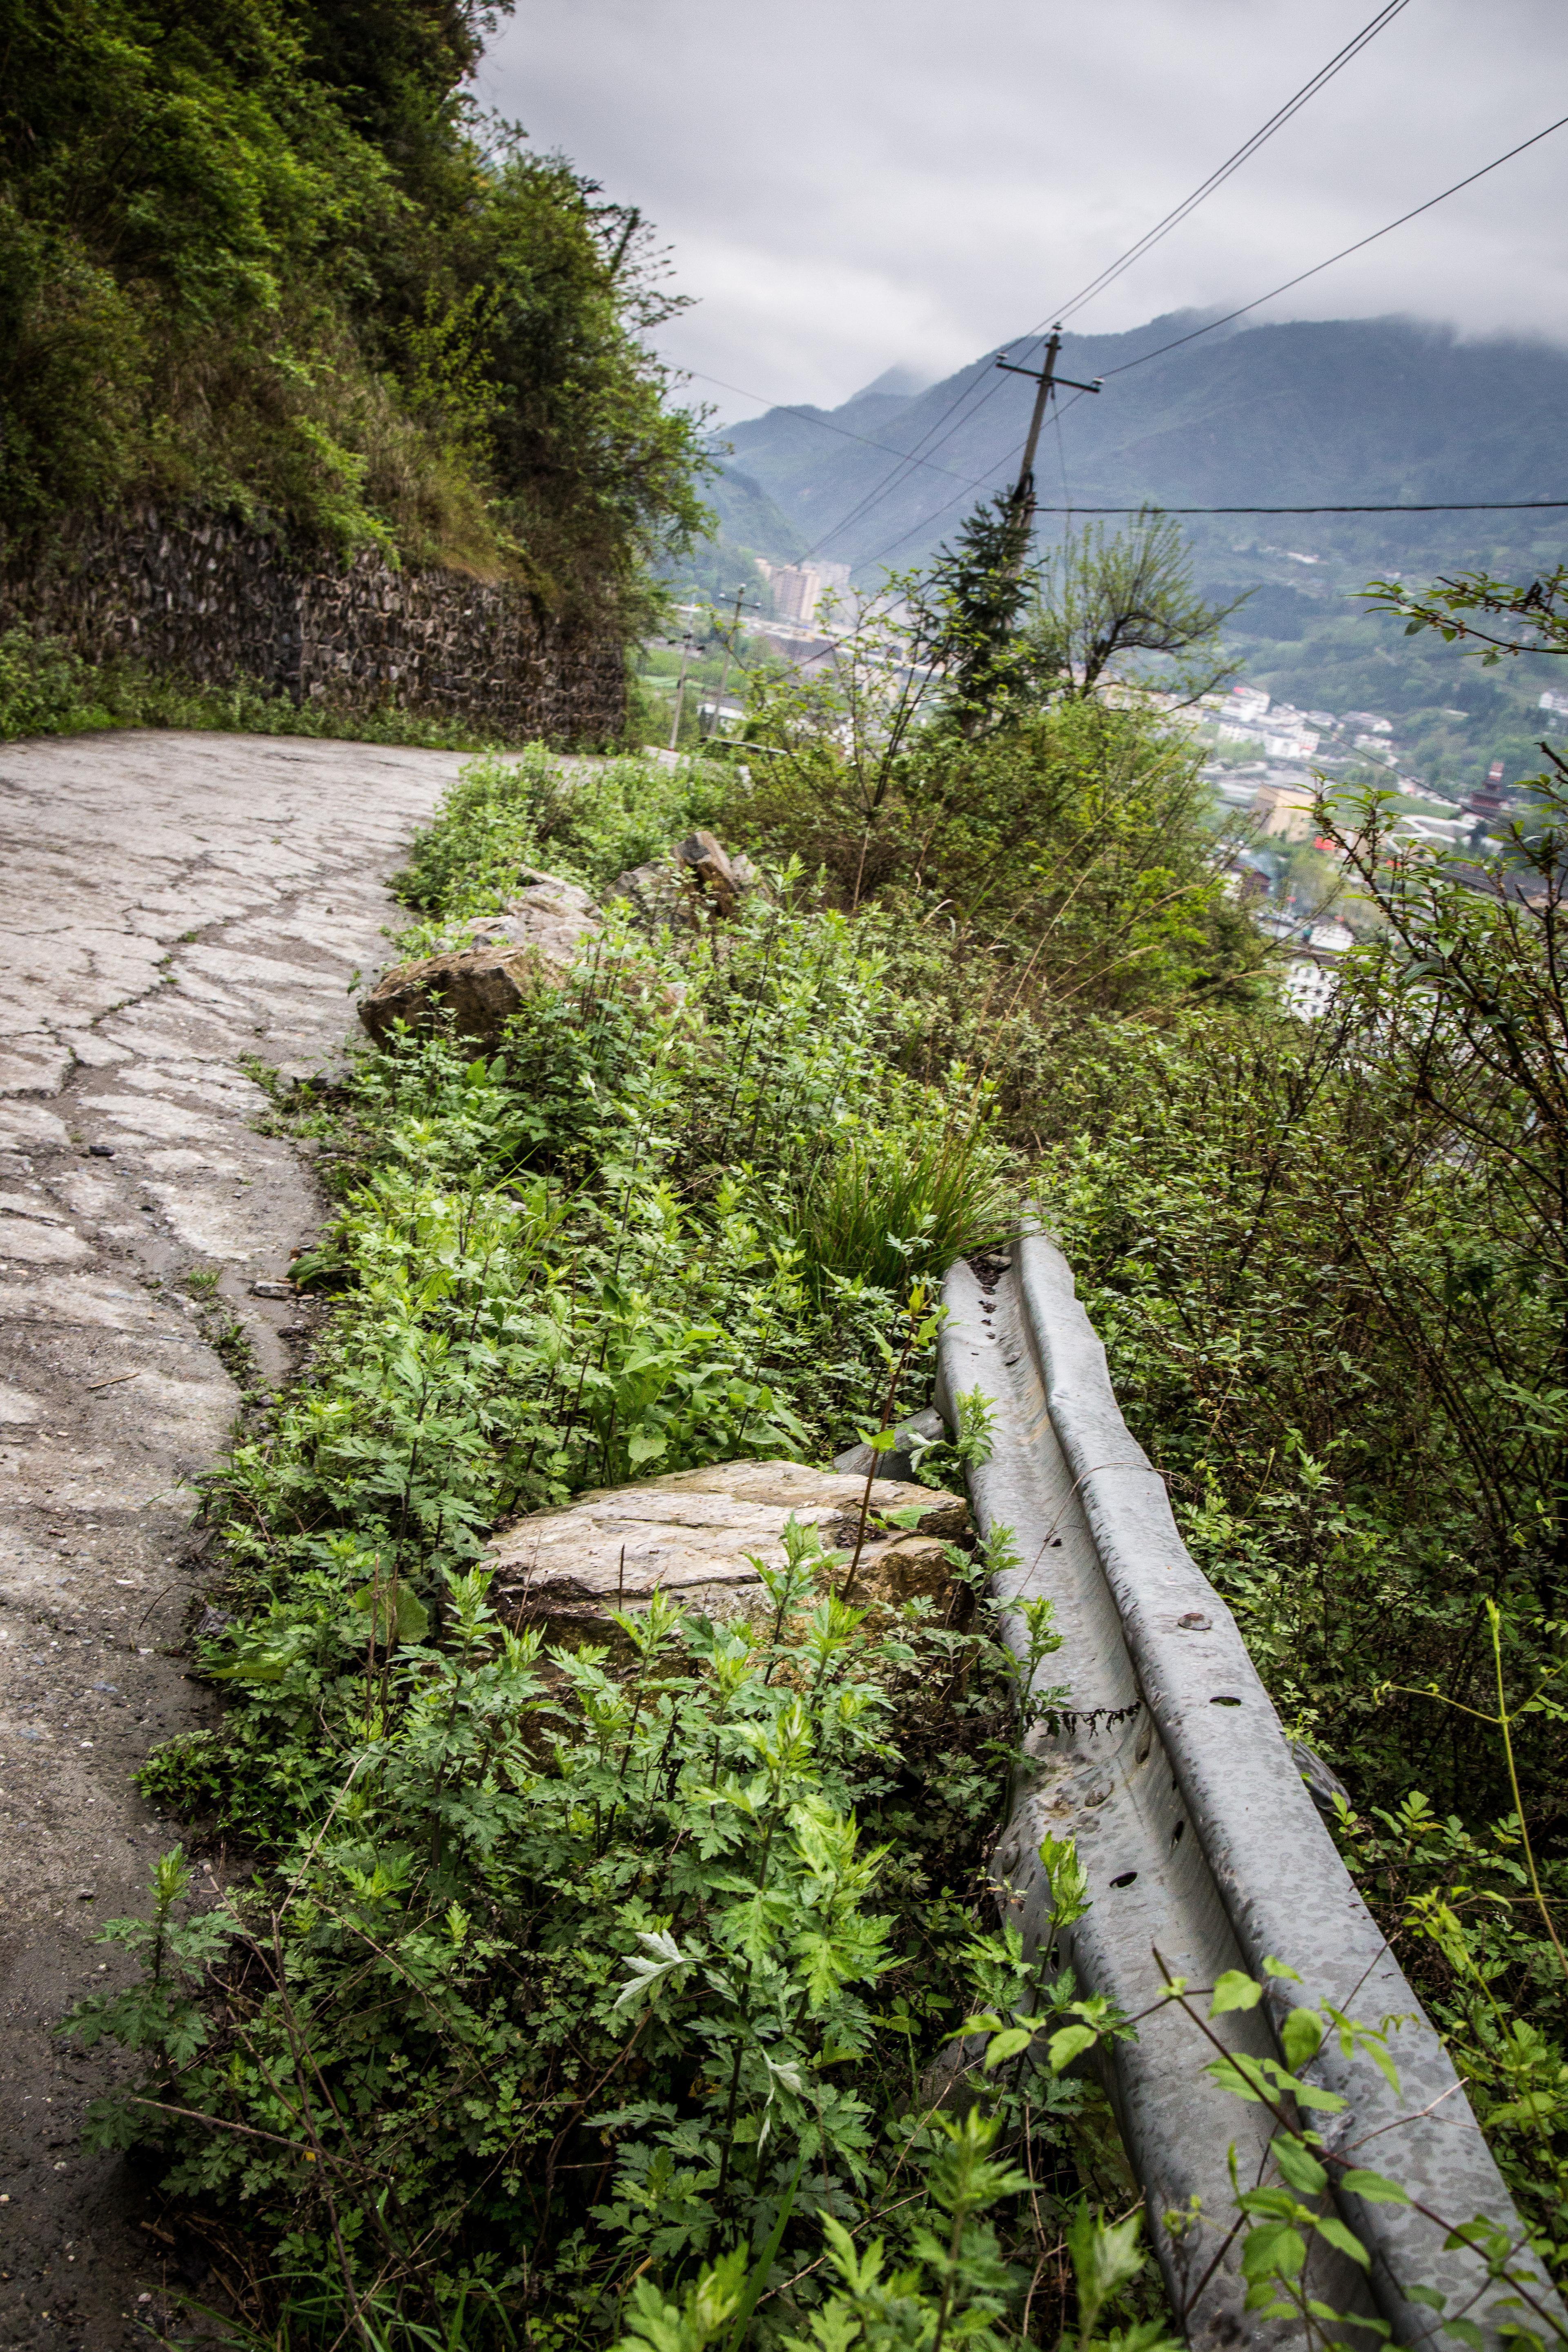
<point>891,1206</point>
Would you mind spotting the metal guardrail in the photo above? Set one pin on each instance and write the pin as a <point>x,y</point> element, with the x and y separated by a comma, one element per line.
<point>1200,1840</point>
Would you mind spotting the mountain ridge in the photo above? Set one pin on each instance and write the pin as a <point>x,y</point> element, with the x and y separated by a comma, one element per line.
<point>1310,412</point>
<point>1306,411</point>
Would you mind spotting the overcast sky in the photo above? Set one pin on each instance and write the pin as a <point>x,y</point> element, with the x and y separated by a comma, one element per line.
<point>852,184</point>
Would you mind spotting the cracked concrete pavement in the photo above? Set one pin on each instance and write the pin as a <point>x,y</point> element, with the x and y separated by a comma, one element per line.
<point>171,905</point>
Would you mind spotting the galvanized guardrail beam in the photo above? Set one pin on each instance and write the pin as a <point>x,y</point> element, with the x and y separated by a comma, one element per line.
<point>1200,1843</point>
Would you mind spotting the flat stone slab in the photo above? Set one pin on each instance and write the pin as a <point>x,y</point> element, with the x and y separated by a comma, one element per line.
<point>695,1535</point>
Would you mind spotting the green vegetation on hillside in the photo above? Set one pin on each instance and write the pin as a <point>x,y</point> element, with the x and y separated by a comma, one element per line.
<point>1326,1262</point>
<point>46,689</point>
<point>263,256</point>
<point>599,1967</point>
<point>603,1992</point>
<point>1451,721</point>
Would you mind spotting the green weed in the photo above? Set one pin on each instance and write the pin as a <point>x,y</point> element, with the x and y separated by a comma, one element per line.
<point>892,1205</point>
<point>46,689</point>
<point>587,822</point>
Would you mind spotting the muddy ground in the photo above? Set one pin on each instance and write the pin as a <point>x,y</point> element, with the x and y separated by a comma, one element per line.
<point>171,905</point>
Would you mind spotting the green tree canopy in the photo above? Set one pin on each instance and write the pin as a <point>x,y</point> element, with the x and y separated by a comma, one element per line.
<point>265,256</point>
<point>1107,595</point>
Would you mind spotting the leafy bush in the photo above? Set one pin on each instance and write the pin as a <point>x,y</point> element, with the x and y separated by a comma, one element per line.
<point>1323,1263</point>
<point>597,1967</point>
<point>1075,848</point>
<point>593,1968</point>
<point>266,259</point>
<point>588,821</point>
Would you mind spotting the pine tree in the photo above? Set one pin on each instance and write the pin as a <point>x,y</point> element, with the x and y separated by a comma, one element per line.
<point>977,593</point>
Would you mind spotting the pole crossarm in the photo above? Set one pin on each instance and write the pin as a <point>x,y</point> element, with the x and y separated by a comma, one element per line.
<point>1043,375</point>
<point>1045,381</point>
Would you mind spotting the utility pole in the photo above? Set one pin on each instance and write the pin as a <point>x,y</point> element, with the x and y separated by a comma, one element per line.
<point>681,689</point>
<point>729,649</point>
<point>1046,381</point>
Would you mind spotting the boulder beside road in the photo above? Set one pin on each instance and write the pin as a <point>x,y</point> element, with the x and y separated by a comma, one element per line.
<point>699,877</point>
<point>692,1535</point>
<point>531,944</point>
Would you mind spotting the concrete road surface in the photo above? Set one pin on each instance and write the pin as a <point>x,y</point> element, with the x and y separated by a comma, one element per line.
<point>171,905</point>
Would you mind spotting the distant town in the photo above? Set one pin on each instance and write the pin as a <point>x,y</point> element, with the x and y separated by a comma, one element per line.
<point>1282,865</point>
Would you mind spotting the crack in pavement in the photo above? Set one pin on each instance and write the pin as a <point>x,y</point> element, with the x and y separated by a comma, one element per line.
<point>133,978</point>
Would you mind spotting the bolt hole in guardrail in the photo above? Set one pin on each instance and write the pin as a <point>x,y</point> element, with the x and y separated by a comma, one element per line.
<point>1124,1771</point>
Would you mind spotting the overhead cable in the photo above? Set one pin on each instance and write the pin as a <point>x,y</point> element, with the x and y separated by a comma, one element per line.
<point>1461,507</point>
<point>1291,107</point>
<point>1343,255</point>
<point>1189,203</point>
<point>812,416</point>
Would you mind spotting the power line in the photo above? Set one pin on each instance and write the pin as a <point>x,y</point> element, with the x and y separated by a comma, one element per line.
<point>809,417</point>
<point>977,482</point>
<point>1346,251</point>
<point>1162,228</point>
<point>1441,506</point>
<point>1461,507</point>
<point>1216,179</point>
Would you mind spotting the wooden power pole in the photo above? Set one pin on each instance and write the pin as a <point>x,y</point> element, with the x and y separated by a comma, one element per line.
<point>735,631</point>
<point>680,690</point>
<point>1044,380</point>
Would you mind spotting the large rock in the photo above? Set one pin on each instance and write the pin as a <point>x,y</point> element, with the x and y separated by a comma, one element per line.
<point>699,877</point>
<point>715,874</point>
<point>556,916</point>
<point>656,895</point>
<point>690,1534</point>
<point>531,944</point>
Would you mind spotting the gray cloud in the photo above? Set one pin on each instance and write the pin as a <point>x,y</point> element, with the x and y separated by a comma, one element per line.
<point>898,182</point>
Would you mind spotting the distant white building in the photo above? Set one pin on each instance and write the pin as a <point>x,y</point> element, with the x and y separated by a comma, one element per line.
<point>1293,743</point>
<point>1246,704</point>
<point>1554,702</point>
<point>1308,988</point>
<point>799,588</point>
<point>1436,832</point>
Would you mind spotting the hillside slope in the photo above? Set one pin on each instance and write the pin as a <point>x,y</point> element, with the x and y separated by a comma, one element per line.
<point>1336,411</point>
<point>1326,412</point>
<point>266,260</point>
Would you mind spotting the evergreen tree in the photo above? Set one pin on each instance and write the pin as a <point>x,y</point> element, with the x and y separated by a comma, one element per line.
<point>971,609</point>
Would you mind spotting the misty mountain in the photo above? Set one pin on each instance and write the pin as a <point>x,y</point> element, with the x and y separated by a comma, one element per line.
<point>1325,412</point>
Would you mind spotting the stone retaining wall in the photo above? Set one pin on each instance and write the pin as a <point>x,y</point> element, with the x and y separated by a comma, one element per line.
<point>217,602</point>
